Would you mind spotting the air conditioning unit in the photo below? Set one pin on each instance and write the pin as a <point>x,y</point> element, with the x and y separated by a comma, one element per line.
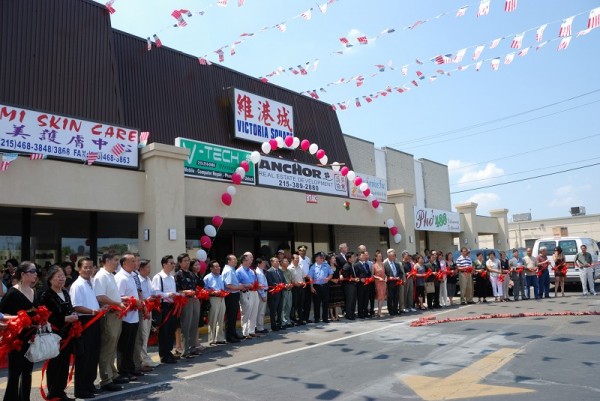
<point>578,211</point>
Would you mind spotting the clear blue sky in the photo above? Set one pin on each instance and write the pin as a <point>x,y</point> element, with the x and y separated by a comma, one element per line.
<point>466,120</point>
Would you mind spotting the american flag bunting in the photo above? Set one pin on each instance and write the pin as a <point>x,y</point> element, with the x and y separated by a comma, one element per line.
<point>443,59</point>
<point>510,5</point>
<point>484,8</point>
<point>307,14</point>
<point>8,158</point>
<point>109,6</point>
<point>323,8</point>
<point>222,3</point>
<point>565,27</point>
<point>148,44</point>
<point>524,51</point>
<point>363,40</point>
<point>157,41</point>
<point>477,52</point>
<point>281,27</point>
<point>144,135</point>
<point>564,43</point>
<point>517,41</point>
<point>495,63</point>
<point>404,70</point>
<point>462,11</point>
<point>584,32</point>
<point>37,156</point>
<point>495,43</point>
<point>509,58</point>
<point>459,55</point>
<point>539,33</point>
<point>538,47</point>
<point>478,65</point>
<point>117,149</point>
<point>594,18</point>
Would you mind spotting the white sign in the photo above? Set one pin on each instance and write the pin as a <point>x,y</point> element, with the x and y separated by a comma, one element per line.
<point>378,187</point>
<point>436,220</point>
<point>258,119</point>
<point>26,131</point>
<point>287,174</point>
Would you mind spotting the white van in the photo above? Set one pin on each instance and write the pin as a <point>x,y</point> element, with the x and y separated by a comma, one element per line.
<point>570,246</point>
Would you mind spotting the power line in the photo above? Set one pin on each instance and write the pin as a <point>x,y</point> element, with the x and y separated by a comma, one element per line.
<point>528,152</point>
<point>523,172</point>
<point>525,179</point>
<point>469,127</point>
<point>505,126</point>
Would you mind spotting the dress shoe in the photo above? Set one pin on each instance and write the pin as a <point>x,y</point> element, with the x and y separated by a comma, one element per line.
<point>248,338</point>
<point>168,360</point>
<point>84,395</point>
<point>112,387</point>
<point>254,335</point>
<point>121,380</point>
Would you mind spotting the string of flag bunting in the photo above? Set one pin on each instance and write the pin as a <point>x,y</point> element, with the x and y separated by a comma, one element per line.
<point>564,36</point>
<point>90,157</point>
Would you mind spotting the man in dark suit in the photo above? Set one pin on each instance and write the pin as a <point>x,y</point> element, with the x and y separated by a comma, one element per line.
<point>393,272</point>
<point>340,258</point>
<point>275,301</point>
<point>349,285</point>
<point>362,271</point>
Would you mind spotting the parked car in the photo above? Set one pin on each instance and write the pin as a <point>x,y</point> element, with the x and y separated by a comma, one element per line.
<point>570,246</point>
<point>486,252</point>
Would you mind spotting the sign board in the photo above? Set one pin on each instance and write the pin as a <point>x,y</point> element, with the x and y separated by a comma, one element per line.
<point>214,162</point>
<point>258,119</point>
<point>27,131</point>
<point>286,174</point>
<point>378,187</point>
<point>312,198</point>
<point>436,220</point>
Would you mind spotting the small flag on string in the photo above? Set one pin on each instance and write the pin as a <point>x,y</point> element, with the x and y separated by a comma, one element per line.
<point>584,32</point>
<point>241,3</point>
<point>564,43</point>
<point>416,24</point>
<point>484,8</point>
<point>524,51</point>
<point>404,70</point>
<point>148,44</point>
<point>477,52</point>
<point>302,70</point>
<point>388,30</point>
<point>432,78</point>
<point>594,18</point>
<point>8,158</point>
<point>37,156</point>
<point>461,68</point>
<point>263,80</point>
<point>459,55</point>
<point>380,67</point>
<point>539,33</point>
<point>363,40</point>
<point>418,61</point>
<point>415,83</point>
<point>565,27</point>
<point>91,158</point>
<point>315,65</point>
<point>294,71</point>
<point>144,138</point>
<point>322,90</point>
<point>495,63</point>
<point>180,21</point>
<point>420,75</point>
<point>495,43</point>
<point>307,14</point>
<point>109,6</point>
<point>478,65</point>
<point>443,59</point>
<point>517,41</point>
<point>357,102</point>
<point>221,55</point>
<point>509,58</point>
<point>281,27</point>
<point>232,50</point>
<point>333,107</point>
<point>157,41</point>
<point>117,149</point>
<point>204,61</point>
<point>323,8</point>
<point>222,3</point>
<point>462,11</point>
<point>344,41</point>
<point>541,45</point>
<point>510,5</point>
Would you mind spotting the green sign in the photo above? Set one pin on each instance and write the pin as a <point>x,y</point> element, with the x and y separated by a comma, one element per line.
<point>214,162</point>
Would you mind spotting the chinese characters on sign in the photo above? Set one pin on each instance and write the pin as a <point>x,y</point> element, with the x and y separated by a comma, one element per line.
<point>214,162</point>
<point>436,220</point>
<point>258,119</point>
<point>287,174</point>
<point>48,134</point>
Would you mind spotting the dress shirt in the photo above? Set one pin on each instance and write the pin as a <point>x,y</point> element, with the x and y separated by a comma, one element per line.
<point>82,294</point>
<point>463,262</point>
<point>127,288</point>
<point>168,285</point>
<point>262,280</point>
<point>146,286</point>
<point>105,284</point>
<point>298,273</point>
<point>214,282</point>
<point>245,275</point>
<point>305,263</point>
<point>230,278</point>
<point>393,266</point>
<point>318,273</point>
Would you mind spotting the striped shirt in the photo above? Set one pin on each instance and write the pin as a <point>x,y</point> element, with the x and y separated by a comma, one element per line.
<point>463,262</point>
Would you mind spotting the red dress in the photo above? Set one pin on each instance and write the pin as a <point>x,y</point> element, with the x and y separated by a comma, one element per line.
<point>380,285</point>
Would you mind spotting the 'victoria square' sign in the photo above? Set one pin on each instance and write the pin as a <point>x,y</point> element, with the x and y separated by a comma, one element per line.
<point>286,174</point>
<point>214,162</point>
<point>436,220</point>
<point>28,131</point>
<point>258,119</point>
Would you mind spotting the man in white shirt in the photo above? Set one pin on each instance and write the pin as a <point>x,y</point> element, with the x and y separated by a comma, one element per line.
<point>298,290</point>
<point>128,292</point>
<point>141,358</point>
<point>107,294</point>
<point>262,295</point>
<point>86,306</point>
<point>163,285</point>
<point>305,263</point>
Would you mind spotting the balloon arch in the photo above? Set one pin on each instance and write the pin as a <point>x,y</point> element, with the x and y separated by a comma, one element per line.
<point>211,230</point>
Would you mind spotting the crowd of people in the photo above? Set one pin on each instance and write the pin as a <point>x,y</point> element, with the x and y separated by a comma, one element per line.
<point>114,302</point>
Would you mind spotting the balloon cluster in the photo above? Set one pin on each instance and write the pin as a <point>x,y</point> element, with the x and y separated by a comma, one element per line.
<point>236,179</point>
<point>363,186</point>
<point>389,223</point>
<point>206,241</point>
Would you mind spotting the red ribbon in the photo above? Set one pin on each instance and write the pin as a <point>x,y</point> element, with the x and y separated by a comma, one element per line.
<point>483,273</point>
<point>179,301</point>
<point>431,320</point>
<point>42,314</point>
<point>151,304</point>
<point>277,288</point>
<point>219,293</point>
<point>255,286</point>
<point>519,269</point>
<point>399,282</point>
<point>501,278</point>
<point>202,294</point>
<point>412,273</point>
<point>369,280</point>
<point>10,340</point>
<point>440,275</point>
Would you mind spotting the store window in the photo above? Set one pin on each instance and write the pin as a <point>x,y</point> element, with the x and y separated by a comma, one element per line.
<point>10,234</point>
<point>117,232</point>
